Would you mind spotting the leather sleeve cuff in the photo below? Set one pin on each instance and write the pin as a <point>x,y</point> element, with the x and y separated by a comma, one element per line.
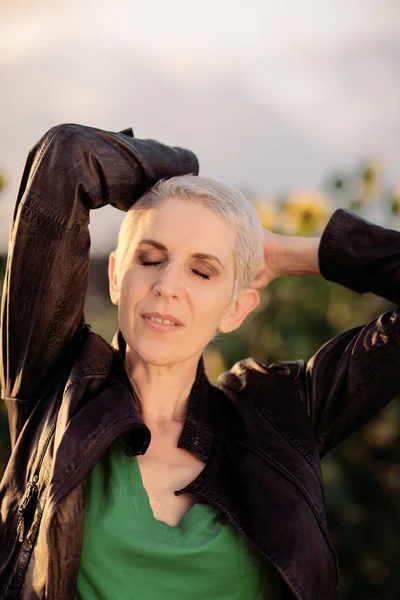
<point>346,251</point>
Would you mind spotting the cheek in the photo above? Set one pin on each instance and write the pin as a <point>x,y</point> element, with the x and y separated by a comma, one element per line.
<point>132,290</point>
<point>210,307</point>
<point>133,284</point>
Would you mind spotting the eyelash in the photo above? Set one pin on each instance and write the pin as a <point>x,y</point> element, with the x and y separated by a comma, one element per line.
<point>152,264</point>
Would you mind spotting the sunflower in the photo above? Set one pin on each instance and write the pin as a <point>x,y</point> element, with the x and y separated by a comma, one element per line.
<point>268,214</point>
<point>370,184</point>
<point>396,201</point>
<point>304,213</point>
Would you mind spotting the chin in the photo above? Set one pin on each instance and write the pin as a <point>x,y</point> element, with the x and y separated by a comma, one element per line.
<point>162,356</point>
<point>159,357</point>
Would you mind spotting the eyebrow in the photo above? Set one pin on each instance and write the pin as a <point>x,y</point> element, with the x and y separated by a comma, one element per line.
<point>198,255</point>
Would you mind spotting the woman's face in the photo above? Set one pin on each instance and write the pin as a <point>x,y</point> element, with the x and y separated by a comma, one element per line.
<point>179,267</point>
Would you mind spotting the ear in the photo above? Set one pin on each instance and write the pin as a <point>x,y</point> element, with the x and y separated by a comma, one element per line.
<point>242,306</point>
<point>113,278</point>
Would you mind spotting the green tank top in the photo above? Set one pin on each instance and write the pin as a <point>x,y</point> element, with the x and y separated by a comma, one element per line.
<point>127,554</point>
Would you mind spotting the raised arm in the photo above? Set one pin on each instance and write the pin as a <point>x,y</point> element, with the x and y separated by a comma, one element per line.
<point>357,373</point>
<point>71,170</point>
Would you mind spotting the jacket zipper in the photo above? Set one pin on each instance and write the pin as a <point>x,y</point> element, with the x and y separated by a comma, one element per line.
<point>31,493</point>
<point>88,462</point>
<point>30,496</point>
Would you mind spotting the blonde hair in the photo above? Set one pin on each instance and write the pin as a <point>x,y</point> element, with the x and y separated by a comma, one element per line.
<point>230,203</point>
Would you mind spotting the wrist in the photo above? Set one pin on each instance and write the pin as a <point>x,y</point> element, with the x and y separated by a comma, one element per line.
<point>297,256</point>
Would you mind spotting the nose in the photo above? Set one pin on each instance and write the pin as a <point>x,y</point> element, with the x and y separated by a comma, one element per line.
<point>168,281</point>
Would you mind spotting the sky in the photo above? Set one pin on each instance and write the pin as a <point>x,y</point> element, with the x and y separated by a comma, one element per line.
<point>271,96</point>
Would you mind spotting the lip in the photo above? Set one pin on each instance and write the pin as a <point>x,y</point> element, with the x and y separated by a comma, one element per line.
<point>163,316</point>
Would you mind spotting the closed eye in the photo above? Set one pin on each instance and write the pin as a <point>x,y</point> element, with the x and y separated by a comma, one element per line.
<point>202,275</point>
<point>146,263</point>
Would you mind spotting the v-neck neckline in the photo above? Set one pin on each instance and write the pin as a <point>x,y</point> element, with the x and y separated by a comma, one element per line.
<point>196,513</point>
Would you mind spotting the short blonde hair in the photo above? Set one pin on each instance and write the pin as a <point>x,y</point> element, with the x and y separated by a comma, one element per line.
<point>228,202</point>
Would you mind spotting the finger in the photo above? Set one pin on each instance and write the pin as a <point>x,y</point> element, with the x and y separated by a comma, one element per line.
<point>260,281</point>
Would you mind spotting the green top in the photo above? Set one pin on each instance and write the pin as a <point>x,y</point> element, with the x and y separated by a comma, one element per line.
<point>128,554</point>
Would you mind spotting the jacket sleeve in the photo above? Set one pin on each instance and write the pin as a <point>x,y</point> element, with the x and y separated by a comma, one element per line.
<point>356,374</point>
<point>72,169</point>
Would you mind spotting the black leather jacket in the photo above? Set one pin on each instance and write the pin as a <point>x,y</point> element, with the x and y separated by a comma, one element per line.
<point>261,431</point>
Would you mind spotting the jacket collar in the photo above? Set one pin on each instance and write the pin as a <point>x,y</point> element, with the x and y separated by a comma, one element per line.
<point>198,429</point>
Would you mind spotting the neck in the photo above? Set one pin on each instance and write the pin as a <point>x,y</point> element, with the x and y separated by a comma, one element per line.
<point>162,391</point>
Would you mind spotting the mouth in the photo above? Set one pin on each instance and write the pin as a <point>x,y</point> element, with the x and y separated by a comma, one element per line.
<point>159,322</point>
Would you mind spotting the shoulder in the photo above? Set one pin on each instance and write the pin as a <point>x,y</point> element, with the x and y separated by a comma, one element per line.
<point>251,373</point>
<point>94,358</point>
<point>276,393</point>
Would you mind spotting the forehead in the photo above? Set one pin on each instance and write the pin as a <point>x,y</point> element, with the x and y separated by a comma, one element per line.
<point>186,225</point>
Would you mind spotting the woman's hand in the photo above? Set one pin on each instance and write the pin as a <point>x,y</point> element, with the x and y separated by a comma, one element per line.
<point>286,255</point>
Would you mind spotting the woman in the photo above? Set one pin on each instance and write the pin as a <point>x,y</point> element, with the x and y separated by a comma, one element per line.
<point>131,475</point>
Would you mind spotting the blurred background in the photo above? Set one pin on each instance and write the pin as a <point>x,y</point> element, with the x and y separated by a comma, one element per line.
<point>297,103</point>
